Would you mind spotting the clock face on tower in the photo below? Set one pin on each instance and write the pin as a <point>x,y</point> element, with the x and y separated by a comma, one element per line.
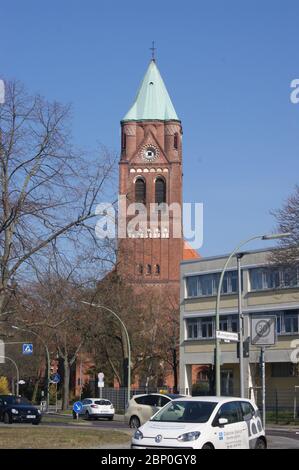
<point>149,152</point>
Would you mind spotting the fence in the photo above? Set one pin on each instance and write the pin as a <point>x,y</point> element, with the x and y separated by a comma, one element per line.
<point>281,405</point>
<point>119,396</point>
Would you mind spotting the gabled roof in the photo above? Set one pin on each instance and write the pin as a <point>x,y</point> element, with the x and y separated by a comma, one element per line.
<point>152,101</point>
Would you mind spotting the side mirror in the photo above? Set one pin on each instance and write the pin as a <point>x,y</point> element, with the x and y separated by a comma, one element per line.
<point>222,421</point>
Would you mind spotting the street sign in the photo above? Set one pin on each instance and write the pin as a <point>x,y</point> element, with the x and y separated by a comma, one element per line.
<point>227,335</point>
<point>263,330</point>
<point>77,406</point>
<point>101,380</point>
<point>55,379</point>
<point>27,348</point>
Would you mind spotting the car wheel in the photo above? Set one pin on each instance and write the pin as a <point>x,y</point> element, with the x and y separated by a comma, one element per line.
<point>110,418</point>
<point>7,418</point>
<point>35,423</point>
<point>207,446</point>
<point>134,422</point>
<point>87,415</point>
<point>260,444</point>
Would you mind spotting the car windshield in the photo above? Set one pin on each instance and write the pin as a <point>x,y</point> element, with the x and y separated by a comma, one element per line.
<point>186,412</point>
<point>17,401</point>
<point>102,402</point>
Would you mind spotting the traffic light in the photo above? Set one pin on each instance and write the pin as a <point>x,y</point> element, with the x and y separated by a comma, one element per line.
<point>245,348</point>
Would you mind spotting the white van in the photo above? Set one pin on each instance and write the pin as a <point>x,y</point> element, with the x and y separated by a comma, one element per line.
<point>203,423</point>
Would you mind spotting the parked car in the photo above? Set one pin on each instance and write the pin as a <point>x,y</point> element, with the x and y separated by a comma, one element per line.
<point>94,408</point>
<point>142,407</point>
<point>203,423</point>
<point>15,409</point>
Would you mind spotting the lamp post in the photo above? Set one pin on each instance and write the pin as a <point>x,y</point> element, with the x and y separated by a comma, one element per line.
<point>47,355</point>
<point>17,369</point>
<point>127,337</point>
<point>241,324</point>
<point>217,316</point>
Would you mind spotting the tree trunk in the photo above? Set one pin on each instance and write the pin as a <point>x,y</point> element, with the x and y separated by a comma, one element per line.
<point>35,390</point>
<point>66,384</point>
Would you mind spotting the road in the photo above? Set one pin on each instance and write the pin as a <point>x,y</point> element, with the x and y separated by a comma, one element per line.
<point>278,437</point>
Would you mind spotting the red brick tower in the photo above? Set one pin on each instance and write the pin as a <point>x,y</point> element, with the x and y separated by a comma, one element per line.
<point>151,172</point>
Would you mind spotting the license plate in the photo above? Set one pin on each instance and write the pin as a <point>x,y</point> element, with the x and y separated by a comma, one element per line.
<point>30,416</point>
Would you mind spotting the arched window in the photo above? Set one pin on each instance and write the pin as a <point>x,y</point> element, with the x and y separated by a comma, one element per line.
<point>123,140</point>
<point>160,191</point>
<point>175,141</point>
<point>140,190</point>
<point>148,269</point>
<point>157,269</point>
<point>139,269</point>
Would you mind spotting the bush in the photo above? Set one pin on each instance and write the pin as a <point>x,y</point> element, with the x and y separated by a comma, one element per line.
<point>200,389</point>
<point>4,387</point>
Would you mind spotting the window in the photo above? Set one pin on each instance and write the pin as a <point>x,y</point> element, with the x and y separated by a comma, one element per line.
<point>247,410</point>
<point>139,269</point>
<point>144,400</point>
<point>123,141</point>
<point>207,328</point>
<point>207,284</point>
<point>152,400</point>
<point>175,141</point>
<point>290,322</point>
<point>204,327</point>
<point>230,411</point>
<point>224,323</point>
<point>192,327</point>
<point>140,191</point>
<point>157,268</point>
<point>160,191</point>
<point>163,401</point>
<point>148,269</point>
<point>273,278</point>
<point>283,369</point>
<point>234,324</point>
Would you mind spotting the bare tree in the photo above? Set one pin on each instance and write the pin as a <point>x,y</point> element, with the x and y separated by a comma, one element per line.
<point>48,191</point>
<point>287,219</point>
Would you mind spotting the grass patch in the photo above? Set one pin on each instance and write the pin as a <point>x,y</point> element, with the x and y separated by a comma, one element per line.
<point>56,438</point>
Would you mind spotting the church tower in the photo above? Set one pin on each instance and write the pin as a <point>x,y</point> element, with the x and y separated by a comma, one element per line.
<point>150,171</point>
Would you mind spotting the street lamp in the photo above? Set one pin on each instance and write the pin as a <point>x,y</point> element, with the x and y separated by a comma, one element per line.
<point>217,341</point>
<point>48,358</point>
<point>127,337</point>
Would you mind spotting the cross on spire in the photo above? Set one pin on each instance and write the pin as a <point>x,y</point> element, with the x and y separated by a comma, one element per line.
<point>153,49</point>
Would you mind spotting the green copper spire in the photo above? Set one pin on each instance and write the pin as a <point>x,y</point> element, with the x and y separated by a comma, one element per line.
<point>152,100</point>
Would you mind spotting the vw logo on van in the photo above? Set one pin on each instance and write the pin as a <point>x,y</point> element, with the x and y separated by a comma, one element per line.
<point>158,438</point>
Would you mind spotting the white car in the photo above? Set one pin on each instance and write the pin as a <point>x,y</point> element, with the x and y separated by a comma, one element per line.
<point>203,423</point>
<point>94,408</point>
<point>142,407</point>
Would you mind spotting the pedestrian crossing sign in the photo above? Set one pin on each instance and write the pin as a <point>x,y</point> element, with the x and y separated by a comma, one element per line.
<point>27,348</point>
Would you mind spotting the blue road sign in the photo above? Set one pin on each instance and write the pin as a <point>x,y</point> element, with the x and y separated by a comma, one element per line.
<point>77,406</point>
<point>55,378</point>
<point>27,348</point>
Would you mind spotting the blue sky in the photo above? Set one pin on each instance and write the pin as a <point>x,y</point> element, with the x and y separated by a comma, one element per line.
<point>227,65</point>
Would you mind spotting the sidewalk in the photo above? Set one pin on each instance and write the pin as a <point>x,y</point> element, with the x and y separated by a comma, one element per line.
<point>282,427</point>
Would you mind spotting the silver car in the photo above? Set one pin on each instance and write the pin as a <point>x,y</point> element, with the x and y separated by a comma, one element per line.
<point>142,407</point>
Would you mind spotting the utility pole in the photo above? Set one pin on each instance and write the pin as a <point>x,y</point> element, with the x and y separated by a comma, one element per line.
<point>241,324</point>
